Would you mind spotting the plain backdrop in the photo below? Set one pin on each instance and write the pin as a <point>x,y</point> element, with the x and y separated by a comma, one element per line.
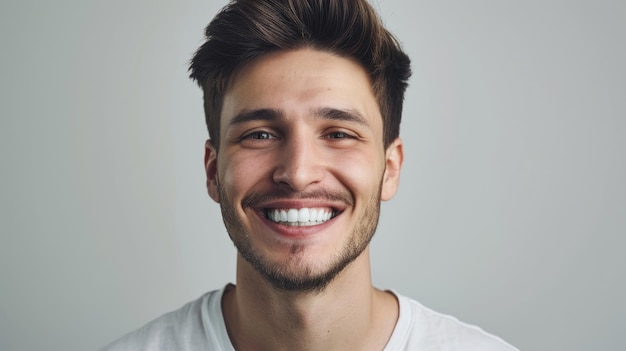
<point>511,212</point>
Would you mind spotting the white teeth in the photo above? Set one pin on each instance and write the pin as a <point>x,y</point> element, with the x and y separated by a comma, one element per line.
<point>302,217</point>
<point>313,215</point>
<point>292,215</point>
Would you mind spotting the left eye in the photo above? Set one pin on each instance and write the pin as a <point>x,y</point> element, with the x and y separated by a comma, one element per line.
<point>338,135</point>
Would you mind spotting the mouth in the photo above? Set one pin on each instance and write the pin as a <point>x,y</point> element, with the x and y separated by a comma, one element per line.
<point>300,217</point>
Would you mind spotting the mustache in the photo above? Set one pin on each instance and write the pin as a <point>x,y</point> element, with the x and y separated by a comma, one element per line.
<point>254,199</point>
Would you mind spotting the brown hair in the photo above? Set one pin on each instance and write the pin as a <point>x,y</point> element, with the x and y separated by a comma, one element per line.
<point>248,29</point>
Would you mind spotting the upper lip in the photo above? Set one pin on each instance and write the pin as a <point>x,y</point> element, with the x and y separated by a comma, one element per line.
<point>321,199</point>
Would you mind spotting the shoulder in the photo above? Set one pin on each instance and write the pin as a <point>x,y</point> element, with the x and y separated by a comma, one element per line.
<point>426,329</point>
<point>182,329</point>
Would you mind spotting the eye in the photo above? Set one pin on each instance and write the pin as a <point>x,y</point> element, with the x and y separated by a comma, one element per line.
<point>339,135</point>
<point>259,135</point>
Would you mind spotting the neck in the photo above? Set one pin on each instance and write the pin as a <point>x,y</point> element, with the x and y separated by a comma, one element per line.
<point>348,314</point>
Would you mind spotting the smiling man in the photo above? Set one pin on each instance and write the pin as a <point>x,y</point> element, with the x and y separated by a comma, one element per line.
<point>303,100</point>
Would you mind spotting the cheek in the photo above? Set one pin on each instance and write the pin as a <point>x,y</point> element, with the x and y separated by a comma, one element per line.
<point>361,172</point>
<point>239,172</point>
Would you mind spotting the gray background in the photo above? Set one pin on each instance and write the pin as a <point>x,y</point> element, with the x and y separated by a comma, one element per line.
<point>511,212</point>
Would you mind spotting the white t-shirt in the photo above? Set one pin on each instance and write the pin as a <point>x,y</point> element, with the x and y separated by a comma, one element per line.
<point>199,325</point>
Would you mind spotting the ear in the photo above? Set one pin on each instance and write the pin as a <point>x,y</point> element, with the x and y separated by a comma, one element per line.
<point>394,156</point>
<point>210,166</point>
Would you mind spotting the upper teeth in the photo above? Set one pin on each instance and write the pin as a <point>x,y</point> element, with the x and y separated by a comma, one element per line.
<point>303,216</point>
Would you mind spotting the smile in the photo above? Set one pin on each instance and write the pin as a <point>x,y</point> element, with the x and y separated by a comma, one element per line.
<point>300,217</point>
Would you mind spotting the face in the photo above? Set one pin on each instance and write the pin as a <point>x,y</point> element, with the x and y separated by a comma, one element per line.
<point>301,167</point>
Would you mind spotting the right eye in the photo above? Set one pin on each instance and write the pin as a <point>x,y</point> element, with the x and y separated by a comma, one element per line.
<point>260,135</point>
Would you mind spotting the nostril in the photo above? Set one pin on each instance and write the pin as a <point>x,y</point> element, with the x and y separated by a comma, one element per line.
<point>300,163</point>
<point>297,178</point>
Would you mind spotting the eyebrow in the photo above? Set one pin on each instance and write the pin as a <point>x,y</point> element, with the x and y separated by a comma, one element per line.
<point>347,115</point>
<point>265,114</point>
<point>329,113</point>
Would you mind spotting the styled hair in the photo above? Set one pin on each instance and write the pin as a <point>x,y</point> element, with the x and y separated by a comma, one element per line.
<point>245,30</point>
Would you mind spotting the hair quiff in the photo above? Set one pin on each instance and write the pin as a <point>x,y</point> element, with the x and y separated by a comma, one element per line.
<point>248,29</point>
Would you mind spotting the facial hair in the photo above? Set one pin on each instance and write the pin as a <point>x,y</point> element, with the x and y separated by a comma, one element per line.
<point>292,274</point>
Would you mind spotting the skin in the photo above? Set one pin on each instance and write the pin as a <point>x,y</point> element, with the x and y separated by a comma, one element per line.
<point>284,145</point>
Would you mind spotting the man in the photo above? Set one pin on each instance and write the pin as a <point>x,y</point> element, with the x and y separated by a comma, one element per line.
<point>303,100</point>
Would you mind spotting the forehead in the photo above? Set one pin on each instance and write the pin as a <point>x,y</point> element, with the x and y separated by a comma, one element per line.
<point>299,81</point>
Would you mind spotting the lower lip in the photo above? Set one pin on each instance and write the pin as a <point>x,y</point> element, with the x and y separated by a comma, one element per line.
<point>295,231</point>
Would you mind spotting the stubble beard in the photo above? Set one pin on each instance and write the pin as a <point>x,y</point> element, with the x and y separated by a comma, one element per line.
<point>292,273</point>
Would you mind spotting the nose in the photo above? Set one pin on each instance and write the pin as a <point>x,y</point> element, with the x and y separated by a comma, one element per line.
<point>300,164</point>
